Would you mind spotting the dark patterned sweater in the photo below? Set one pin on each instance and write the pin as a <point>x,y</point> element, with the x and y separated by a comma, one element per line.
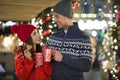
<point>76,49</point>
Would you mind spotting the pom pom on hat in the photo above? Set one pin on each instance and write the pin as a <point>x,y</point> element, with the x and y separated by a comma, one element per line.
<point>14,28</point>
<point>64,8</point>
<point>23,31</point>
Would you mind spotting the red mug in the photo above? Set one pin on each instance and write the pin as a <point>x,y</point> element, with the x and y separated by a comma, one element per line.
<point>47,54</point>
<point>39,58</point>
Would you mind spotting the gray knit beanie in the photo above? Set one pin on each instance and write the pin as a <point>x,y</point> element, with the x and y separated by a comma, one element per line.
<point>64,8</point>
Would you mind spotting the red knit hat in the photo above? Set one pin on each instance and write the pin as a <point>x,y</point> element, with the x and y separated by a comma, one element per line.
<point>23,31</point>
<point>118,15</point>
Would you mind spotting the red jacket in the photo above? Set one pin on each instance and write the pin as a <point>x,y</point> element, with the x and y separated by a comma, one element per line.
<point>25,69</point>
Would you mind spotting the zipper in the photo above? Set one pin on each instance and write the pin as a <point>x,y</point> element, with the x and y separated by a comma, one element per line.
<point>64,38</point>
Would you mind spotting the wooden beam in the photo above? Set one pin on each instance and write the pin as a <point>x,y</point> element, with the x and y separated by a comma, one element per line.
<point>23,9</point>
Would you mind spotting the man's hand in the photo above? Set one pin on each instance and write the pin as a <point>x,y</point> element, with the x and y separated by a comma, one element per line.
<point>57,56</point>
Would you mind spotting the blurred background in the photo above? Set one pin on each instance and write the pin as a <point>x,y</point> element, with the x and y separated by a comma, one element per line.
<point>99,18</point>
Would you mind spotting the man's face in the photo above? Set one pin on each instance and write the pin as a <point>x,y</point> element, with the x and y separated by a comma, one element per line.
<point>60,20</point>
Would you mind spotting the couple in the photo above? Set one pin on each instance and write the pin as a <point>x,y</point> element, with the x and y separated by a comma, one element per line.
<point>72,49</point>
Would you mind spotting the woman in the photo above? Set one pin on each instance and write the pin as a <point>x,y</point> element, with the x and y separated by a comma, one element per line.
<point>25,59</point>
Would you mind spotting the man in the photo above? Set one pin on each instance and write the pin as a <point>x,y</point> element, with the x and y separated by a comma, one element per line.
<point>71,47</point>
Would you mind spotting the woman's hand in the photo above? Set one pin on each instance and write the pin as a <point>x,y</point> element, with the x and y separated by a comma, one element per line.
<point>27,54</point>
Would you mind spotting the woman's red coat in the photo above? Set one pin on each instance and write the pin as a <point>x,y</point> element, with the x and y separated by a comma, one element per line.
<point>25,69</point>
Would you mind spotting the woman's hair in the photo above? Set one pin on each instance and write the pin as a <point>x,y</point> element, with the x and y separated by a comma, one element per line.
<point>118,22</point>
